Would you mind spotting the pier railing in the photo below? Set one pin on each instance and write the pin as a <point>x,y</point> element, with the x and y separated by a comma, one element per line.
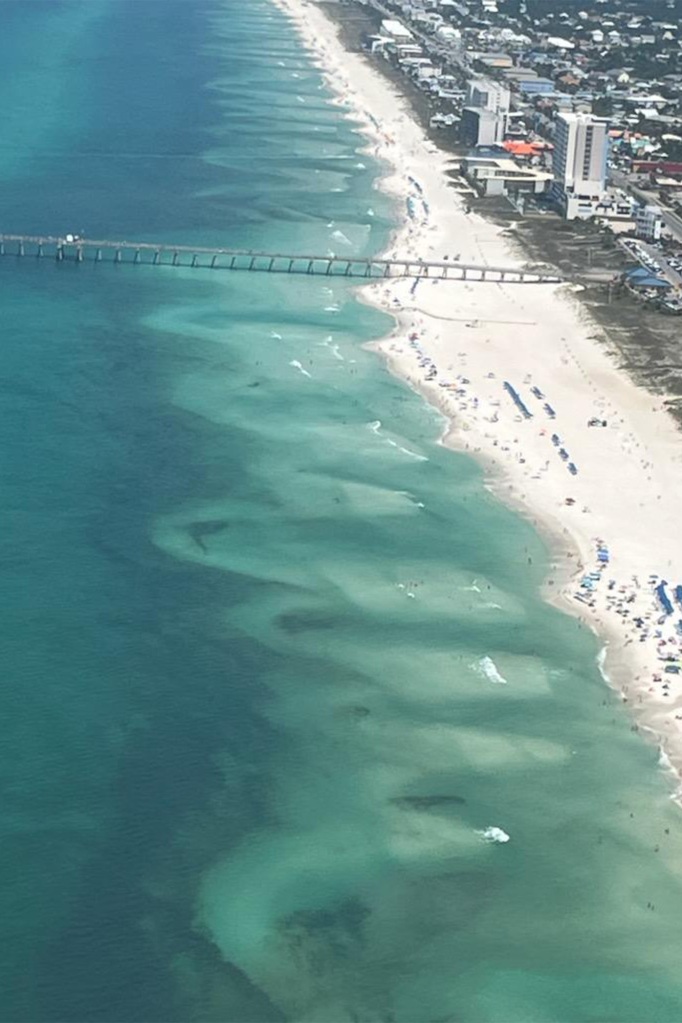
<point>79,250</point>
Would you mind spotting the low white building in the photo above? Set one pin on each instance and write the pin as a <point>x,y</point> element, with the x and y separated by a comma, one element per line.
<point>443,120</point>
<point>448,34</point>
<point>610,208</point>
<point>499,175</point>
<point>403,50</point>
<point>557,43</point>
<point>395,30</point>
<point>425,72</point>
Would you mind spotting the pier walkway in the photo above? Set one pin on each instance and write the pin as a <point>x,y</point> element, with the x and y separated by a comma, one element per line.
<point>151,254</point>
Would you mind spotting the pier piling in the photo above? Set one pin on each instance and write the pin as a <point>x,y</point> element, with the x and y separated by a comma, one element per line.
<point>264,262</point>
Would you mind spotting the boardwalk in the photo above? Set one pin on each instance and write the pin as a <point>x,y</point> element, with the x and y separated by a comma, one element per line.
<point>80,250</point>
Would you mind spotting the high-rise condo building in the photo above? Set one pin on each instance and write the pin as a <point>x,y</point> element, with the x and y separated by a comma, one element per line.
<point>579,163</point>
<point>487,94</point>
<point>484,118</point>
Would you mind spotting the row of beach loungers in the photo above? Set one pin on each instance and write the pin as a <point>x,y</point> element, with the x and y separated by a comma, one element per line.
<point>516,398</point>
<point>521,405</point>
<point>547,407</point>
<point>664,600</point>
<point>564,455</point>
<point>527,414</point>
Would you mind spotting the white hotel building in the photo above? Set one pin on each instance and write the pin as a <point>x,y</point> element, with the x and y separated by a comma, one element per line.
<point>581,144</point>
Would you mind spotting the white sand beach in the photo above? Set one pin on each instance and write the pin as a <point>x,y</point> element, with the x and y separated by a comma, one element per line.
<point>458,343</point>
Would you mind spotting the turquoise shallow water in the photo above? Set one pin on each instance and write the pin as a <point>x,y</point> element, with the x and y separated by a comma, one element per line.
<point>244,773</point>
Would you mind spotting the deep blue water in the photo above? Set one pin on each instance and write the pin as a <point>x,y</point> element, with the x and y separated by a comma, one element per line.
<point>224,730</point>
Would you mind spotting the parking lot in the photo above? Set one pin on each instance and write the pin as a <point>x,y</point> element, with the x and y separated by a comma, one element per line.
<point>651,255</point>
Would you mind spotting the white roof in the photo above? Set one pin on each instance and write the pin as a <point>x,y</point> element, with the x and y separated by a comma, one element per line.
<point>395,29</point>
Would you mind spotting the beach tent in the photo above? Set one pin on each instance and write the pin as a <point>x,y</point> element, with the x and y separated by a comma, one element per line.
<point>654,282</point>
<point>663,598</point>
<point>643,278</point>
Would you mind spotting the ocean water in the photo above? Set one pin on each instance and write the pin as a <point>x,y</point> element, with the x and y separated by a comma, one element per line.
<point>274,663</point>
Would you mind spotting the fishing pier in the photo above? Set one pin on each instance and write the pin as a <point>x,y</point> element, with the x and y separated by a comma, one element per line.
<point>75,249</point>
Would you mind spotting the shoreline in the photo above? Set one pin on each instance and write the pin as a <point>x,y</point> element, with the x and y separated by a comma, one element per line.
<point>445,349</point>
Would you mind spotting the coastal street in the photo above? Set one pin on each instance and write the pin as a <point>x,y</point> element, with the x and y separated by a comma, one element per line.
<point>646,197</point>
<point>652,257</point>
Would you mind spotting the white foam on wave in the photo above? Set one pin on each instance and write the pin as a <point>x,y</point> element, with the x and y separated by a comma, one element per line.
<point>334,308</point>
<point>601,664</point>
<point>300,99</point>
<point>297,365</point>
<point>488,668</point>
<point>664,760</point>
<point>339,236</point>
<point>494,834</point>
<point>370,212</point>
<point>275,335</point>
<point>334,349</point>
<point>375,427</point>
<point>411,498</point>
<point>406,451</point>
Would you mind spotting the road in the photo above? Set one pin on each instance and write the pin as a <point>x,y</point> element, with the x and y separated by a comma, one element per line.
<point>452,60</point>
<point>638,249</point>
<point>671,220</point>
